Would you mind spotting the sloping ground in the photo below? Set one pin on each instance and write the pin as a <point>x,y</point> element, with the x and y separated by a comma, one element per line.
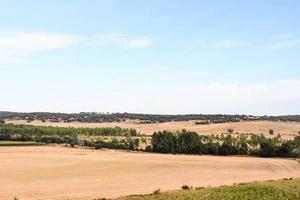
<point>278,190</point>
<point>50,173</point>
<point>287,129</point>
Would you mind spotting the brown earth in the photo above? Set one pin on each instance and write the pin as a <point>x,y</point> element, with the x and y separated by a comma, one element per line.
<point>286,129</point>
<point>56,173</point>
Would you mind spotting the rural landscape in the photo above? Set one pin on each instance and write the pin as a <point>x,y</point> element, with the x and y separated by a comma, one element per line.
<point>63,159</point>
<point>149,100</point>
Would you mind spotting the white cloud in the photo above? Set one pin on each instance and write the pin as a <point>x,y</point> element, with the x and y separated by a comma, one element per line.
<point>282,36</point>
<point>125,40</point>
<point>229,43</point>
<point>283,41</point>
<point>15,45</point>
<point>285,44</point>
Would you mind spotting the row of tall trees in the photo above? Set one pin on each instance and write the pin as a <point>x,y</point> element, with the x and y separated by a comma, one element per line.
<point>182,142</point>
<point>128,137</point>
<point>225,144</point>
<point>11,129</point>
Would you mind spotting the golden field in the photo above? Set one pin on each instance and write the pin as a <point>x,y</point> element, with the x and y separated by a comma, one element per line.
<point>56,172</point>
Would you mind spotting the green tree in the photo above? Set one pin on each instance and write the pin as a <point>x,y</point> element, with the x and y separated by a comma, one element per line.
<point>163,142</point>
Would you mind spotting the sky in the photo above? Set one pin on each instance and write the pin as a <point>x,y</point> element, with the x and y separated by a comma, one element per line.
<point>158,56</point>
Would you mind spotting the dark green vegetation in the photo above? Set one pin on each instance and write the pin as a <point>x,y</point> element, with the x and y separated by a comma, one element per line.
<point>19,143</point>
<point>275,190</point>
<point>180,142</point>
<point>31,130</point>
<point>145,118</point>
<point>10,132</point>
<point>226,144</point>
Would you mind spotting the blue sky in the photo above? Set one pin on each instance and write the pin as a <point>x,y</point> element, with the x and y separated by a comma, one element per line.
<point>150,56</point>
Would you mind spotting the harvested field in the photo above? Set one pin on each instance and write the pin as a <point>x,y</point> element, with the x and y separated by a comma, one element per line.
<point>286,129</point>
<point>55,172</point>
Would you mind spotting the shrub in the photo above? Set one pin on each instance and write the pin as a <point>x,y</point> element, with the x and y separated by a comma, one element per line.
<point>202,122</point>
<point>72,144</point>
<point>186,187</point>
<point>148,148</point>
<point>230,130</point>
<point>156,192</point>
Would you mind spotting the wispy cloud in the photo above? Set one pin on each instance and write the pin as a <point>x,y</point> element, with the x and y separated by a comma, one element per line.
<point>285,44</point>
<point>283,41</point>
<point>229,43</point>
<point>125,40</point>
<point>15,45</point>
<point>282,36</point>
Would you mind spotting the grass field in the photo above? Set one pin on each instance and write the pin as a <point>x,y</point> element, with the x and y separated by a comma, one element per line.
<point>60,173</point>
<point>17,143</point>
<point>277,190</point>
<point>286,129</point>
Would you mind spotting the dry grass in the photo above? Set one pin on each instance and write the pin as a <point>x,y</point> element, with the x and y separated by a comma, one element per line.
<point>287,129</point>
<point>64,173</point>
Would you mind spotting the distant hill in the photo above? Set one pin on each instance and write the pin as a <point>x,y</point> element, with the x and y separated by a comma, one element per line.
<point>143,118</point>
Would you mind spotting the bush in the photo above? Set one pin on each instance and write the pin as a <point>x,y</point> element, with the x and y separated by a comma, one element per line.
<point>202,122</point>
<point>186,187</point>
<point>230,130</point>
<point>156,192</point>
<point>148,148</point>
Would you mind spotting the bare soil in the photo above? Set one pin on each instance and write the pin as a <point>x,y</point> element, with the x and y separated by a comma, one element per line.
<point>55,172</point>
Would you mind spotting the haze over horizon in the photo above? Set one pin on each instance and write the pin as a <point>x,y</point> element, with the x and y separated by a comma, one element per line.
<point>166,57</point>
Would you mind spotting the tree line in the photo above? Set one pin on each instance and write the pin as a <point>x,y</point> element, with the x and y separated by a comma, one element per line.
<point>144,118</point>
<point>65,131</point>
<point>60,135</point>
<point>185,142</point>
<point>179,142</point>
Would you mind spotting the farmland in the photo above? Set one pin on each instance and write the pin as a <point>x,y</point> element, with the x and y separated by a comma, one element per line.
<point>286,129</point>
<point>56,172</point>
